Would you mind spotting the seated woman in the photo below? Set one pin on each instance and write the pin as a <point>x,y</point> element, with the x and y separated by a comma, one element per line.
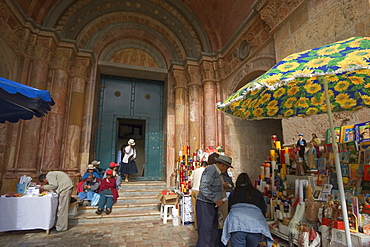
<point>91,170</point>
<point>114,168</point>
<point>245,224</point>
<point>108,193</point>
<point>90,186</point>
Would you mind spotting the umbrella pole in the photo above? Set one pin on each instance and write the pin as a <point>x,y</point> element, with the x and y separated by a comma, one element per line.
<point>337,165</point>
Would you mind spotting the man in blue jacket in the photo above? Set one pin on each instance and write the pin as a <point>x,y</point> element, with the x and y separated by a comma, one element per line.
<point>208,199</point>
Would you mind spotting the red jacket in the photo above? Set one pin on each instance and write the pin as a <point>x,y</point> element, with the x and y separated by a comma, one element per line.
<point>109,184</point>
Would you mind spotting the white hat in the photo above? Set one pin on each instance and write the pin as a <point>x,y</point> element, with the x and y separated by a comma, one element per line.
<point>95,162</point>
<point>90,166</point>
<point>131,142</point>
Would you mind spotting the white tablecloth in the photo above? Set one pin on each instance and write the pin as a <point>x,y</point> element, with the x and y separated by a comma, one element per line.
<point>26,213</point>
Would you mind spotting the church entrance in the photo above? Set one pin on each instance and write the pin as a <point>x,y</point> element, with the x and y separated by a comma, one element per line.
<point>132,109</point>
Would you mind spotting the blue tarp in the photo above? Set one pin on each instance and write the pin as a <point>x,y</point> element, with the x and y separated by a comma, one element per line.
<point>19,101</point>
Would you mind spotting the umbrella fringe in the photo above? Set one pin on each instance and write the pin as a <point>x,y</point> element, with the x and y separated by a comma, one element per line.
<point>259,86</point>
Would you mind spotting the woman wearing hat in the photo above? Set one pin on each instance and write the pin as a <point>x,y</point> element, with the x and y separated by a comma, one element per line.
<point>127,162</point>
<point>108,193</point>
<point>114,168</point>
<point>91,171</point>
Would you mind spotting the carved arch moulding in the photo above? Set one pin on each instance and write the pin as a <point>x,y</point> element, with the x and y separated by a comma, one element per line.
<point>259,63</point>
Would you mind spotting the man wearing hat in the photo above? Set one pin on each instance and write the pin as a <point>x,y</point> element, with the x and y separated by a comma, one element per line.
<point>98,170</point>
<point>301,143</point>
<point>208,199</point>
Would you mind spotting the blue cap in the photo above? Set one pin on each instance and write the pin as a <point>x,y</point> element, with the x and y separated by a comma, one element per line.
<point>300,134</point>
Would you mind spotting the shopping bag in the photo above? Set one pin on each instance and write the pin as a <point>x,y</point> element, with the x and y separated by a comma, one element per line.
<point>95,200</point>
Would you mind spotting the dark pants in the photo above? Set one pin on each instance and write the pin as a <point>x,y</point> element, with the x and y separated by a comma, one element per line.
<point>242,239</point>
<point>106,199</point>
<point>207,219</point>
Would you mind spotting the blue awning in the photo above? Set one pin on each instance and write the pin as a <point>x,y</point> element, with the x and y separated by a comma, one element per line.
<point>19,101</point>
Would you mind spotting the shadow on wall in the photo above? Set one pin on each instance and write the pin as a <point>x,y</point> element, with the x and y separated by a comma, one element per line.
<point>250,143</point>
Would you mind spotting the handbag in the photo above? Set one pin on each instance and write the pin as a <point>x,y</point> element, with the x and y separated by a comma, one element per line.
<point>95,199</point>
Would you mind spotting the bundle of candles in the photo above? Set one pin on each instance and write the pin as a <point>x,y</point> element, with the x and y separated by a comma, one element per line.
<point>274,171</point>
<point>186,165</point>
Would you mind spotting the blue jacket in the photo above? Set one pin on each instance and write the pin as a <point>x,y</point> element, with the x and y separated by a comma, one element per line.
<point>210,188</point>
<point>245,217</point>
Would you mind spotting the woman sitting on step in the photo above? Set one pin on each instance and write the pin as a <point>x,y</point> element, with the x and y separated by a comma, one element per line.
<point>108,193</point>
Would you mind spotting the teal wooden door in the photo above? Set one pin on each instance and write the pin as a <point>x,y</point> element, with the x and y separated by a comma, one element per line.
<point>129,98</point>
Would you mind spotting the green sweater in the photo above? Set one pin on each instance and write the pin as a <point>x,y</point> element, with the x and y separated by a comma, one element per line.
<point>58,181</point>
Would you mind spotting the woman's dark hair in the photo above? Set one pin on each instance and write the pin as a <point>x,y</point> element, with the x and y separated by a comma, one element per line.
<point>212,158</point>
<point>204,164</point>
<point>123,146</point>
<point>244,183</point>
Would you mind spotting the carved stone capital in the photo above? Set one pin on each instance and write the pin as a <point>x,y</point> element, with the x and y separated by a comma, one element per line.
<point>274,12</point>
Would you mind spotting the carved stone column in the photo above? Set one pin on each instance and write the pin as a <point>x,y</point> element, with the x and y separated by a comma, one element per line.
<point>81,66</point>
<point>57,116</point>
<point>209,104</point>
<point>29,155</point>
<point>195,106</point>
<point>178,74</point>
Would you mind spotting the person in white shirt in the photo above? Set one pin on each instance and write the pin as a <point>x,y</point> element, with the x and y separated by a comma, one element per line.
<point>195,180</point>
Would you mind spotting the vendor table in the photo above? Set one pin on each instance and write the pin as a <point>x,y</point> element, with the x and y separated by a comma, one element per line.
<point>27,213</point>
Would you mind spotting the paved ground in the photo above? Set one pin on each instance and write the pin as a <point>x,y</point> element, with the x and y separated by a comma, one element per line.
<point>148,234</point>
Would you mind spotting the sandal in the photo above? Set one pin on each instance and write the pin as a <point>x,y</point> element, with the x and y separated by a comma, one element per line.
<point>108,211</point>
<point>99,211</point>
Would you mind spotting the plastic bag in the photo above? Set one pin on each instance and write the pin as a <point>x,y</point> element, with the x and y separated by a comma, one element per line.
<point>312,211</point>
<point>95,200</point>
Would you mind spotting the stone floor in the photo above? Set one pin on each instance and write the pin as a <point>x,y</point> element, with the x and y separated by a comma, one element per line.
<point>148,234</point>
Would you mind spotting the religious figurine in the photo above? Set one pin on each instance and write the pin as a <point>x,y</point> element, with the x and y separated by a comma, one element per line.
<point>316,143</point>
<point>311,157</point>
<point>301,143</point>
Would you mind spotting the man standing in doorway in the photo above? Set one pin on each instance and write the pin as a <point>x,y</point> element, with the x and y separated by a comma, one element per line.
<point>62,185</point>
<point>208,199</point>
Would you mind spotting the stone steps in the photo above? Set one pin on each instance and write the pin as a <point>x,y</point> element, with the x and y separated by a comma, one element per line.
<point>137,202</point>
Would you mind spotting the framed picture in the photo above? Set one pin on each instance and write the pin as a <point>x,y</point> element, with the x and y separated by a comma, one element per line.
<point>366,173</point>
<point>317,192</point>
<point>337,133</point>
<point>362,132</point>
<point>347,134</point>
<point>344,157</point>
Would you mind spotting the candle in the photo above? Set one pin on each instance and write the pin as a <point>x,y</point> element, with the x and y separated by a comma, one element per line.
<point>286,158</point>
<point>309,191</point>
<point>278,145</point>
<point>282,157</point>
<point>273,155</point>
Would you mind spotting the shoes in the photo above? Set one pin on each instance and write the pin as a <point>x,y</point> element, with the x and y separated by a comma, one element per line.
<point>126,180</point>
<point>108,211</point>
<point>99,211</point>
<point>88,203</point>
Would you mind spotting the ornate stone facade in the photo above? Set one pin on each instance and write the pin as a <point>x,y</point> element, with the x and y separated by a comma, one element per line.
<point>62,47</point>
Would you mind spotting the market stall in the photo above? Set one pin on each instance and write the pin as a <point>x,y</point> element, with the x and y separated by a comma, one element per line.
<point>334,77</point>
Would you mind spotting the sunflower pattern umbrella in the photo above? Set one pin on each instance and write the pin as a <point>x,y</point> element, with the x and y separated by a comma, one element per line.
<point>307,83</point>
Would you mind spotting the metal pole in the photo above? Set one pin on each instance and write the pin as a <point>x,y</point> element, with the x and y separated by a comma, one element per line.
<point>337,165</point>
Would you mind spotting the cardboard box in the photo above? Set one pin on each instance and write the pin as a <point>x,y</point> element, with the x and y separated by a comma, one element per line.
<point>358,239</point>
<point>73,209</point>
<point>170,199</point>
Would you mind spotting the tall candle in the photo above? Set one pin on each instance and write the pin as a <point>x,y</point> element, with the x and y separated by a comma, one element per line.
<point>273,155</point>
<point>309,191</point>
<point>286,158</point>
<point>278,145</point>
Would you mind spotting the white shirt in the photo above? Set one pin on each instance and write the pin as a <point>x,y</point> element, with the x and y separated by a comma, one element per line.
<point>128,152</point>
<point>196,176</point>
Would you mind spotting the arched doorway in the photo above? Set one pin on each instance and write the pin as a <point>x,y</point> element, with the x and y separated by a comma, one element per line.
<point>132,108</point>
